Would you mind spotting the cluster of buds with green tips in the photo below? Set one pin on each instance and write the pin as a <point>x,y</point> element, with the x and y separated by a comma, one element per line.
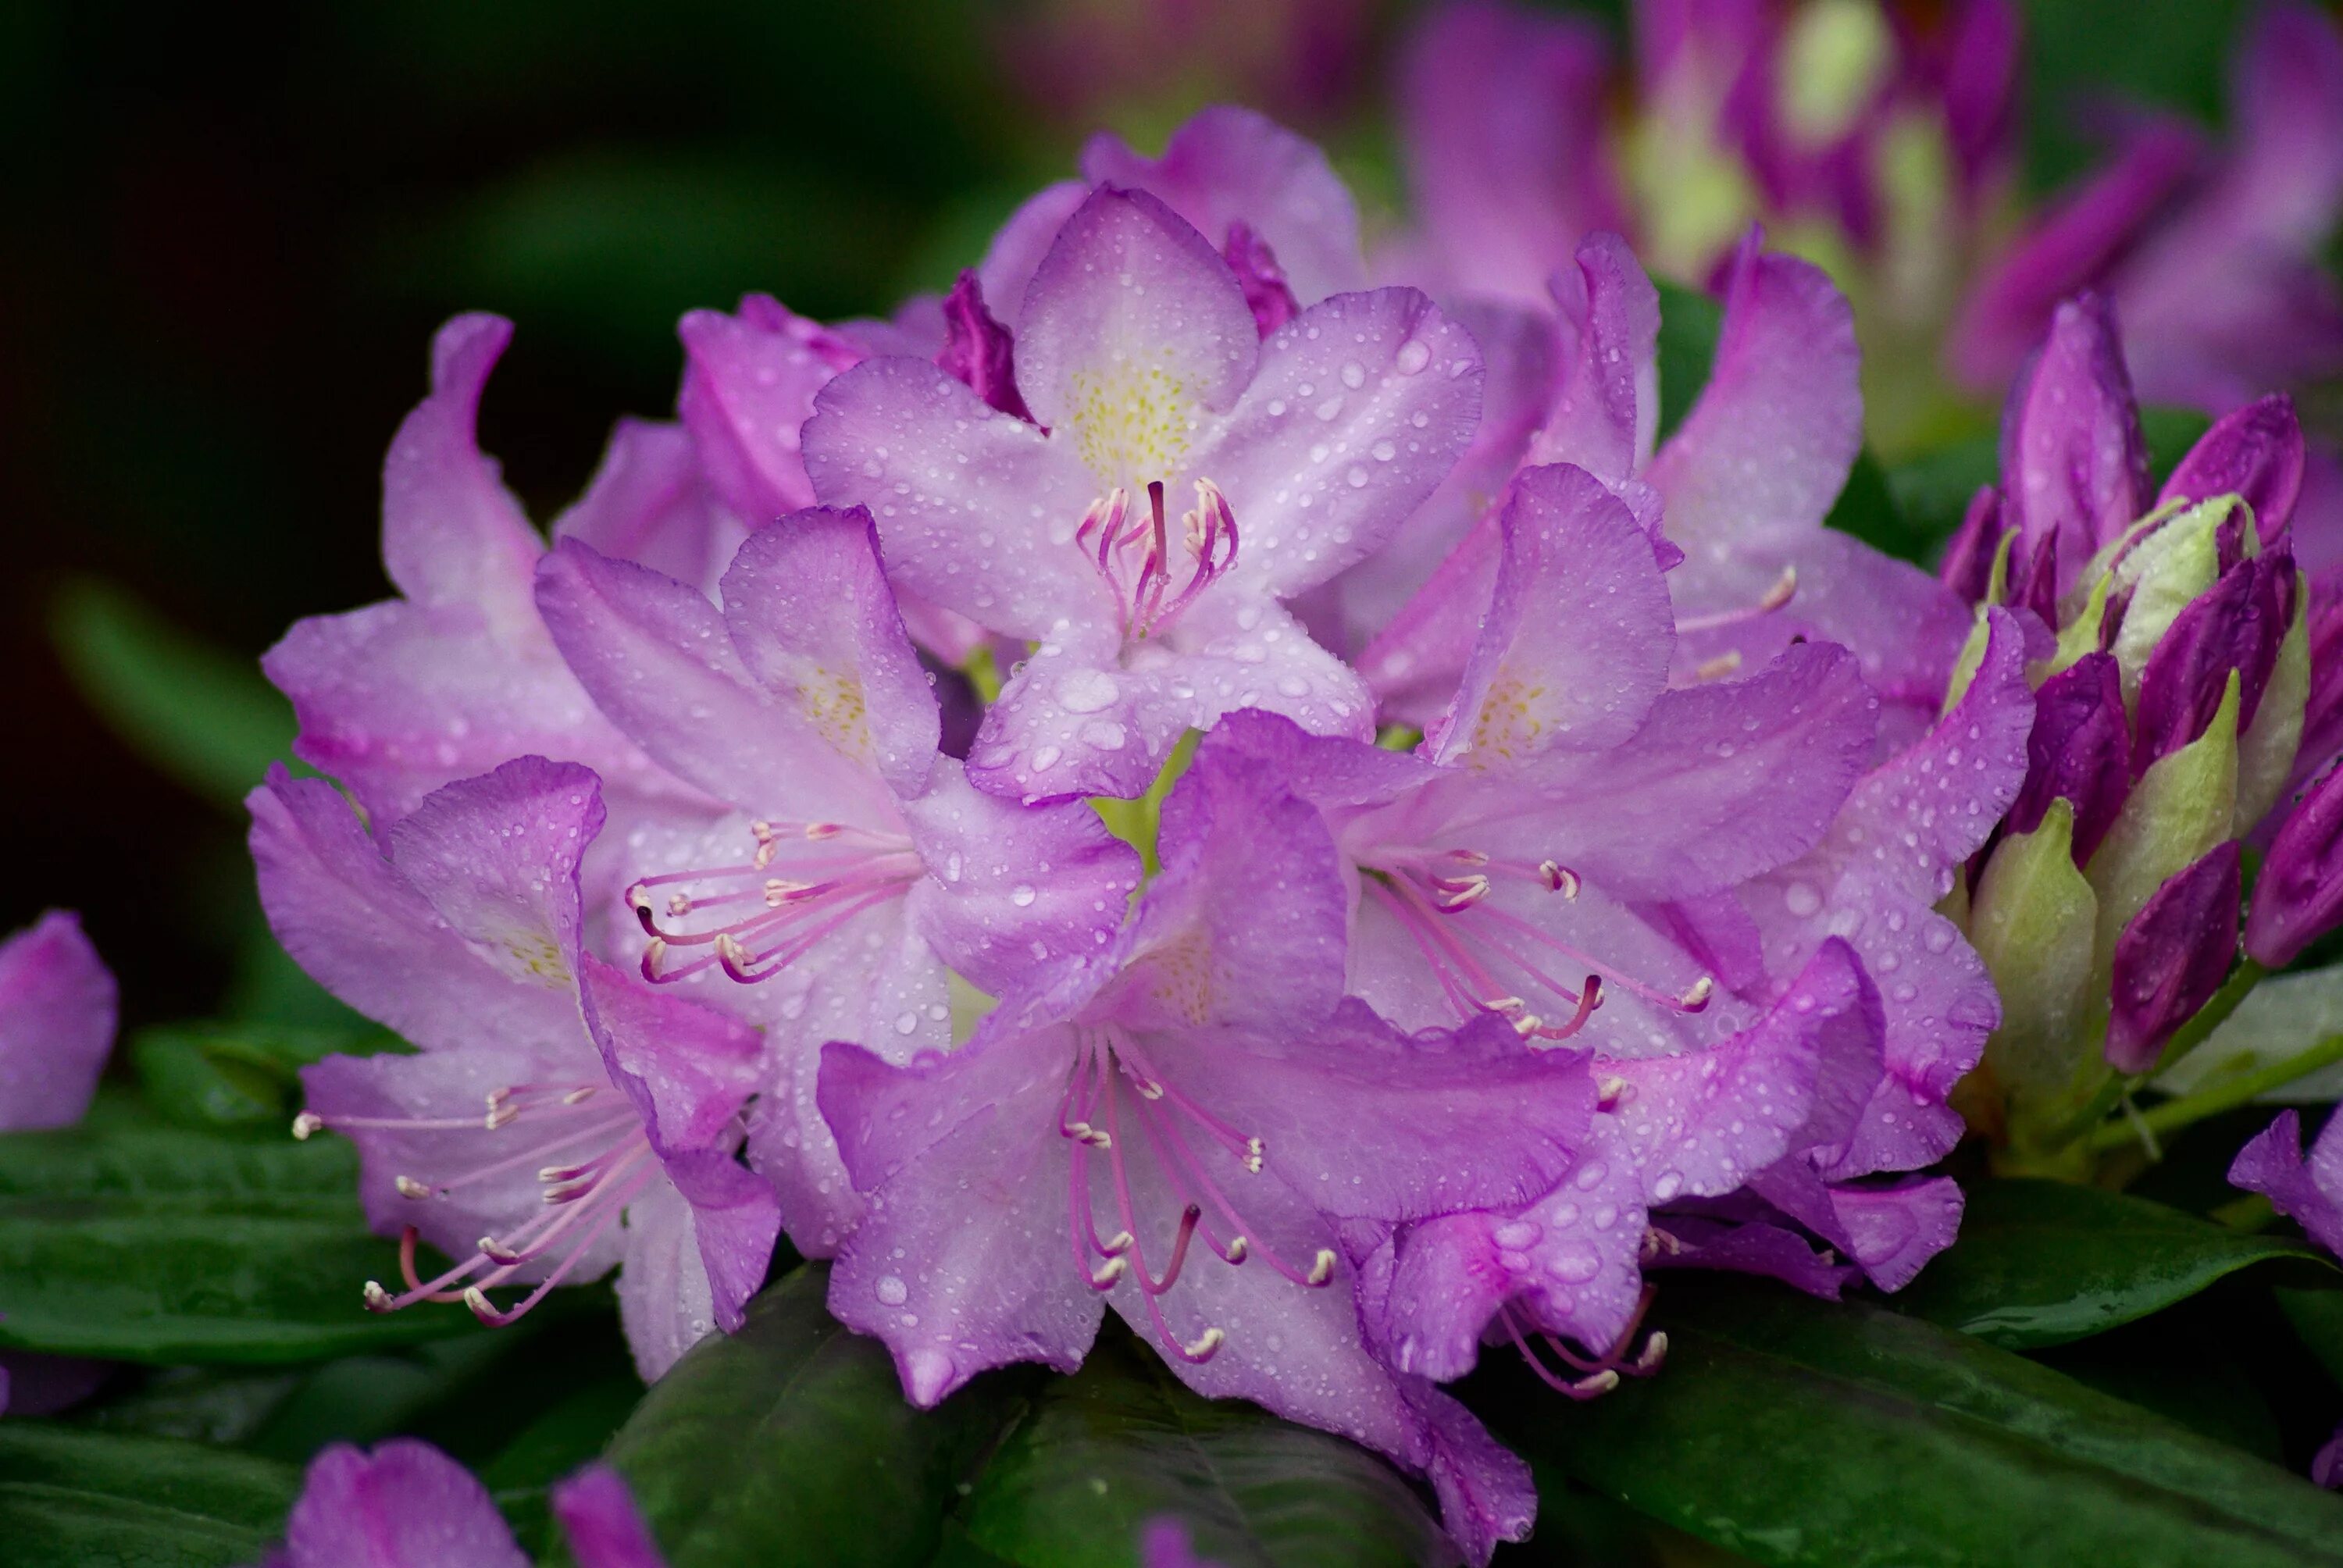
<point>2168,772</point>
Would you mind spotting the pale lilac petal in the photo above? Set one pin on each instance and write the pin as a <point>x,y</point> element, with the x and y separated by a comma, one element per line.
<point>689,1069</point>
<point>1485,1490</point>
<point>1015,253</point>
<point>1011,887</point>
<point>1414,664</point>
<point>665,1303</point>
<point>451,532</point>
<point>364,933</point>
<point>1766,448</point>
<point>2289,97</point>
<point>649,503</point>
<point>603,1528</point>
<point>1723,783</point>
<point>1889,1231</point>
<point>498,859</point>
<point>404,1505</point>
<point>1466,1119</point>
<point>1503,125</point>
<point>1229,165</point>
<point>736,1222</point>
<point>1575,646</point>
<point>748,387</point>
<point>1327,770</point>
<point>1606,412</point>
<point>1360,407</point>
<point>976,509</point>
<point>815,625</point>
<point>1752,1247</point>
<point>658,657</point>
<point>1134,328</point>
<point>57,1010</point>
<point>961,1262</point>
<point>2309,1193</point>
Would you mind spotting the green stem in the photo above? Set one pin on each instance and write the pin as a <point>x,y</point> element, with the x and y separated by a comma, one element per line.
<point>2092,1119</point>
<point>2175,1114</point>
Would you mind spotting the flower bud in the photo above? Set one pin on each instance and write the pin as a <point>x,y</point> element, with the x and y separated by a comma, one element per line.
<point>2237,625</point>
<point>2268,748</point>
<point>2172,958</point>
<point>2072,460</point>
<point>2031,922</point>
<point>2255,453</point>
<point>2079,752</point>
<point>2298,897</point>
<point>2180,810</point>
<point>2159,571</point>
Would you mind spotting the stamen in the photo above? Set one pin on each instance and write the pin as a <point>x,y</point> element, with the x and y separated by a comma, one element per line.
<point>1785,588</point>
<point>306,1123</point>
<point>1322,1269</point>
<point>1717,668</point>
<point>1559,879</point>
<point>409,1187</point>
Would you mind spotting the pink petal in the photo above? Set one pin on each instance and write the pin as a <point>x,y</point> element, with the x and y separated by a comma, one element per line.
<point>57,1010</point>
<point>405,1506</point>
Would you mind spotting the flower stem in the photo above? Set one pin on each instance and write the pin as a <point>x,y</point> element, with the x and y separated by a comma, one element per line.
<point>2092,1119</point>
<point>2175,1114</point>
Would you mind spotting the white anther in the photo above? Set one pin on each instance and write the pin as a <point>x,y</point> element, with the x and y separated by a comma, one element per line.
<point>1098,1138</point>
<point>1780,594</point>
<point>655,957</point>
<point>1323,1269</point>
<point>1461,892</point>
<point>1117,1243</point>
<point>1702,989</point>
<point>765,853</point>
<point>1527,1024</point>
<point>499,1115</point>
<point>819,830</point>
<point>1253,1150</point>
<point>409,1187</point>
<point>496,1251</point>
<point>1656,1351</point>
<point>305,1123</point>
<point>761,832</point>
<point>580,1096</point>
<point>639,897</point>
<point>1239,1249</point>
<point>478,1300</point>
<point>1609,1090</point>
<point>677,904</point>
<point>1469,857</point>
<point>377,1299</point>
<point>1148,1089</point>
<point>1209,1341</point>
<point>779,890</point>
<point>1716,668</point>
<point>497,1097</point>
<point>1107,1274</point>
<point>1559,879</point>
<point>730,953</point>
<point>1594,1387</point>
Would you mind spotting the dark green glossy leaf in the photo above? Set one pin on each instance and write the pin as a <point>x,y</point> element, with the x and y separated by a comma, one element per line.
<point>74,1499</point>
<point>202,714</point>
<point>2043,1263</point>
<point>1690,322</point>
<point>2318,1317</point>
<point>239,1075</point>
<point>1121,1441</point>
<point>132,1241</point>
<point>1803,1433</point>
<point>1867,509</point>
<point>1932,493</point>
<point>790,1442</point>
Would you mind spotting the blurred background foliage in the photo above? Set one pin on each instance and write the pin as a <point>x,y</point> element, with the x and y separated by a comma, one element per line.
<point>234,229</point>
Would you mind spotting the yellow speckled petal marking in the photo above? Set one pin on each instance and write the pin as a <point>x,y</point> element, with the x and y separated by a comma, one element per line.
<point>1131,419</point>
<point>833,701</point>
<point>1510,721</point>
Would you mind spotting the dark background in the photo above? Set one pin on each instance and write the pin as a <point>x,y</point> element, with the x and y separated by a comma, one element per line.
<point>232,230</point>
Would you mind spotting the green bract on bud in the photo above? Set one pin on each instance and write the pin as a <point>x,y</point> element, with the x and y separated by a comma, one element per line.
<point>2032,921</point>
<point>2164,562</point>
<point>2182,806</point>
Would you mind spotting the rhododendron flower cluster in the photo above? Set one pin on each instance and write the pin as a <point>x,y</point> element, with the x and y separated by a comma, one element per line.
<point>1527,831</point>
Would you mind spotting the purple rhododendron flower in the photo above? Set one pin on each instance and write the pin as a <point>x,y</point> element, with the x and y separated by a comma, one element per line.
<point>58,1006</point>
<point>1187,1132</point>
<point>857,868</point>
<point>1138,352</point>
<point>405,1505</point>
<point>553,1096</point>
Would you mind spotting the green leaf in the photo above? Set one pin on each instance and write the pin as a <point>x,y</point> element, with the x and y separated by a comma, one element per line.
<point>2043,1263</point>
<point>132,1242</point>
<point>1690,323</point>
<point>2318,1319</point>
<point>790,1442</point>
<point>1802,1433</point>
<point>74,1499</point>
<point>1122,1440</point>
<point>1867,508</point>
<point>201,715</point>
<point>242,1075</point>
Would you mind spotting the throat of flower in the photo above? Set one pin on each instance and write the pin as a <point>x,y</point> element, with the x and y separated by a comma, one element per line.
<point>800,883</point>
<point>1140,563</point>
<point>1114,1104</point>
<point>590,1159</point>
<point>1488,959</point>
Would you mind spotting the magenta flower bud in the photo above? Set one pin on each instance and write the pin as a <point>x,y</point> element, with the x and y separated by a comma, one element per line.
<point>1967,567</point>
<point>2172,957</point>
<point>2074,463</point>
<point>977,351</point>
<point>2237,624</point>
<point>2256,452</point>
<point>1262,280</point>
<point>2298,897</point>
<point>2322,715</point>
<point>2080,750</point>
